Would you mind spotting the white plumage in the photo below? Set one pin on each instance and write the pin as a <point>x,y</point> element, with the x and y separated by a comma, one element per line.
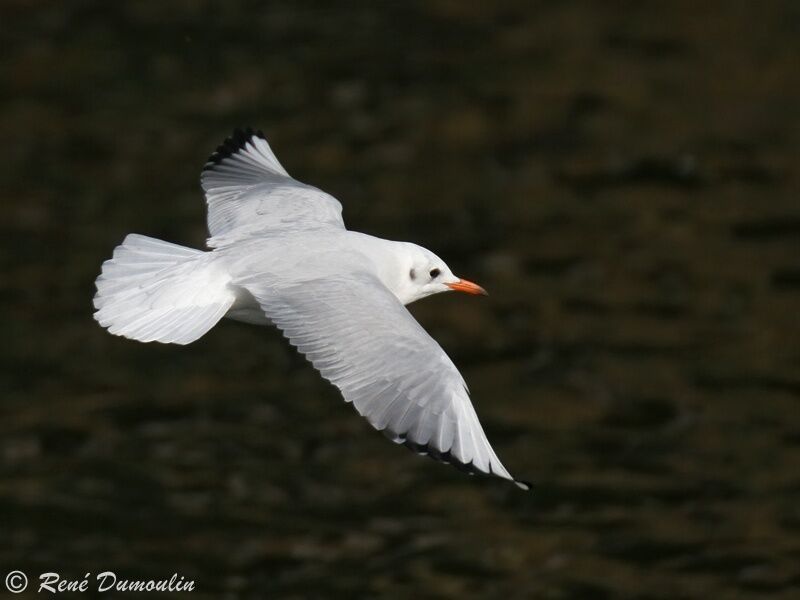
<point>156,291</point>
<point>281,255</point>
<point>248,192</point>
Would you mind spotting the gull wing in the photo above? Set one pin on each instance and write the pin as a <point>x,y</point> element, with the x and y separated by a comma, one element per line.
<point>364,341</point>
<point>248,193</point>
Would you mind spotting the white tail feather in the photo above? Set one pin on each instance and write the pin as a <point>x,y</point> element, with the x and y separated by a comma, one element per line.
<point>152,290</point>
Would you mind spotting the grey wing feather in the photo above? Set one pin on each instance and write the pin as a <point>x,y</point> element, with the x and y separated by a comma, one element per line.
<point>248,193</point>
<point>365,342</point>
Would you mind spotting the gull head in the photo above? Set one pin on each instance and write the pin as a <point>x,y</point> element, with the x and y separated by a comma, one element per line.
<point>421,273</point>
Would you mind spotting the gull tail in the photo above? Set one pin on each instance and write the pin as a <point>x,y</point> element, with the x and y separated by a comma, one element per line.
<point>154,291</point>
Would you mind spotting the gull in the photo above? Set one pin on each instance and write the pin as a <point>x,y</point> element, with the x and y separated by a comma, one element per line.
<point>279,254</point>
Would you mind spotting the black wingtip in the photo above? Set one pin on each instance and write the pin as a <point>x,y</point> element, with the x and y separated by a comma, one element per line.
<point>233,144</point>
<point>447,458</point>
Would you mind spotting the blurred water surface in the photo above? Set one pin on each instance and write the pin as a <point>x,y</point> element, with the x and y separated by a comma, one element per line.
<point>624,183</point>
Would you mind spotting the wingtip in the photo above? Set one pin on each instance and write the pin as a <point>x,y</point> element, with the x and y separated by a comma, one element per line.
<point>234,143</point>
<point>447,458</point>
<point>523,485</point>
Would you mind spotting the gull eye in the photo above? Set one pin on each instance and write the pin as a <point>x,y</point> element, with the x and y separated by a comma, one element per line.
<point>412,274</point>
<point>435,273</point>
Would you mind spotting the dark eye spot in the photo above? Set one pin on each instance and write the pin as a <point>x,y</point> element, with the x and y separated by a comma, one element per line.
<point>412,274</point>
<point>435,273</point>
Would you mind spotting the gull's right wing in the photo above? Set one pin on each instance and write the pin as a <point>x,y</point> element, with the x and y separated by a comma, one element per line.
<point>249,193</point>
<point>365,342</point>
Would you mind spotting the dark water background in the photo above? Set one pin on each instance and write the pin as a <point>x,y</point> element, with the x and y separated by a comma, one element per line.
<point>624,182</point>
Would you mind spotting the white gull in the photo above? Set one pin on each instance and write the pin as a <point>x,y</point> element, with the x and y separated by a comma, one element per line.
<point>280,254</point>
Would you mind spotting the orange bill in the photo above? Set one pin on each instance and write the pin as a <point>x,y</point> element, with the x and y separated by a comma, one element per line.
<point>462,285</point>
